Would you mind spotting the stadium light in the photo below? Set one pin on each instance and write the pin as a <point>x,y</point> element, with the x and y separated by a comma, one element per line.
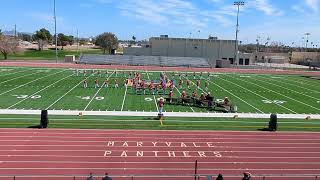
<point>55,28</point>
<point>307,39</point>
<point>237,3</point>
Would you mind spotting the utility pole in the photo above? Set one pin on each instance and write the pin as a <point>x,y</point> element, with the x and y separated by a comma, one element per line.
<point>77,40</point>
<point>55,28</point>
<point>307,40</point>
<point>15,31</point>
<point>237,3</point>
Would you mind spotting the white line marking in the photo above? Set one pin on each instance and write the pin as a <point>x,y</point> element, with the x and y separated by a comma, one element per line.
<point>31,82</point>
<point>258,95</point>
<point>154,97</point>
<point>258,141</point>
<point>19,77</point>
<point>96,93</point>
<point>38,91</point>
<point>161,169</point>
<point>281,94</point>
<point>13,73</point>
<point>236,96</point>
<point>124,98</point>
<point>67,92</point>
<point>288,88</point>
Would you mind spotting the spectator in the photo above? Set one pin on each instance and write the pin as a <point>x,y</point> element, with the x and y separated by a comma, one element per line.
<point>220,177</point>
<point>106,177</point>
<point>246,176</point>
<point>91,177</point>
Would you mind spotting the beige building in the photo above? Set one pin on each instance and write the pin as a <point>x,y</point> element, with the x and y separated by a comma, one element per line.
<point>211,49</point>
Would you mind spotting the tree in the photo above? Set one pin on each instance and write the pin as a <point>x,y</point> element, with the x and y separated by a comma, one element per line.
<point>64,40</point>
<point>8,45</point>
<point>25,37</point>
<point>43,36</point>
<point>107,41</point>
<point>0,32</point>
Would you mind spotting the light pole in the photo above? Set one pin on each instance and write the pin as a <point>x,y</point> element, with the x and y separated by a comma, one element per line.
<point>55,28</point>
<point>307,39</point>
<point>237,3</point>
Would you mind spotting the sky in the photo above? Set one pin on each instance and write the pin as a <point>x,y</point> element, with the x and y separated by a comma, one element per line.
<point>285,21</point>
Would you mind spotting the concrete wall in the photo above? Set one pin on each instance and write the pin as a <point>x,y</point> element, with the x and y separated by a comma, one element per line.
<point>184,47</point>
<point>265,57</point>
<point>303,56</point>
<point>137,51</point>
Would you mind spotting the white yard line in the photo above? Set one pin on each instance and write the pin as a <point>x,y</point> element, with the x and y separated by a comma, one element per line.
<point>266,81</point>
<point>39,91</point>
<point>124,98</point>
<point>19,77</point>
<point>154,97</point>
<point>280,94</point>
<point>67,92</point>
<point>31,82</point>
<point>13,73</point>
<point>97,93</point>
<point>236,96</point>
<point>180,94</point>
<point>257,94</point>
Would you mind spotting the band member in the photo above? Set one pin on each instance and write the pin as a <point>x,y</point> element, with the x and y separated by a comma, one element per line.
<point>85,73</point>
<point>194,75</point>
<point>116,83</point>
<point>85,83</point>
<point>106,83</point>
<point>170,96</point>
<point>126,82</point>
<point>164,87</point>
<point>180,84</point>
<point>161,104</point>
<point>198,84</point>
<point>194,96</point>
<point>226,104</point>
<point>206,85</point>
<point>96,83</point>
<point>151,87</point>
<point>142,86</point>
<point>188,83</point>
<point>99,73</point>
<point>184,97</point>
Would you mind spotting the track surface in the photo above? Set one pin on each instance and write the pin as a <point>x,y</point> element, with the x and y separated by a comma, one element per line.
<point>118,152</point>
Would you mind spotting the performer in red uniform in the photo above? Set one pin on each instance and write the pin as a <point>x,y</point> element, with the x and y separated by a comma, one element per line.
<point>188,84</point>
<point>161,104</point>
<point>106,83</point>
<point>116,83</point>
<point>96,85</point>
<point>184,97</point>
<point>206,85</point>
<point>85,83</point>
<point>198,84</point>
<point>170,96</point>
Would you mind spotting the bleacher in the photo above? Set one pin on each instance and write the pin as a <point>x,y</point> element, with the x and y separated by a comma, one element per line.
<point>143,60</point>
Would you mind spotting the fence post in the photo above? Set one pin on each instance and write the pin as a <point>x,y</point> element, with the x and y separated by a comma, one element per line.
<point>264,178</point>
<point>14,177</point>
<point>74,178</point>
<point>131,177</point>
<point>316,178</point>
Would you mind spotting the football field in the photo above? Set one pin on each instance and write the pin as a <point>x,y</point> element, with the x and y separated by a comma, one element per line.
<point>62,89</point>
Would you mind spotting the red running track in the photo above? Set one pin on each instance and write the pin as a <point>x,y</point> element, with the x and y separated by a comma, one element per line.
<point>28,153</point>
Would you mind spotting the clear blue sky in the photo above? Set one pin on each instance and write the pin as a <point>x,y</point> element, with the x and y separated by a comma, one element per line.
<point>281,20</point>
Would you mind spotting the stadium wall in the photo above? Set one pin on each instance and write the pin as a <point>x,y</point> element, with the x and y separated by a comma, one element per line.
<point>185,47</point>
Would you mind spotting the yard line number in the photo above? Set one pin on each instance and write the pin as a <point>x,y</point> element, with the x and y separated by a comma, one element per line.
<point>98,98</point>
<point>22,96</point>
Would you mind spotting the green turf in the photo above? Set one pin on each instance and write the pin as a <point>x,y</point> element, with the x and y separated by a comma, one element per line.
<point>61,89</point>
<point>170,123</point>
<point>49,54</point>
